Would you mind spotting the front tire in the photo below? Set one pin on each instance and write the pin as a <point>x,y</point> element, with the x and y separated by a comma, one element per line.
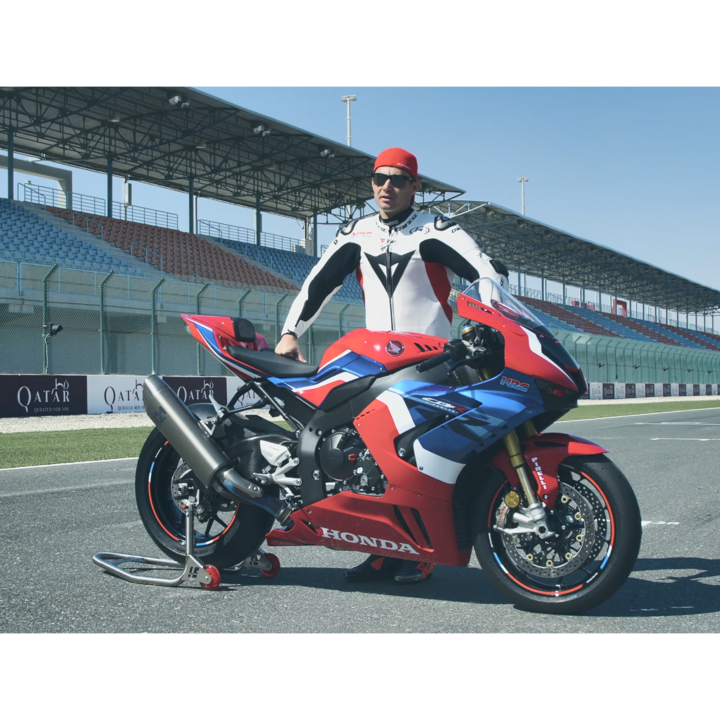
<point>598,531</point>
<point>226,531</point>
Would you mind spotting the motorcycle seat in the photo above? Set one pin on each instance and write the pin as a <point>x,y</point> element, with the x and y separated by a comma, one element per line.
<point>272,364</point>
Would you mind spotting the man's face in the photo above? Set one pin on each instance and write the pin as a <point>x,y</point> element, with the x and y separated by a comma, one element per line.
<point>392,200</point>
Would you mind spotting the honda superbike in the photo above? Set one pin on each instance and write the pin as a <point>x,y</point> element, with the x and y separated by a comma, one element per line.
<point>402,445</point>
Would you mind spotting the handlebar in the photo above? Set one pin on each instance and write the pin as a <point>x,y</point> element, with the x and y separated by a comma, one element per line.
<point>434,362</point>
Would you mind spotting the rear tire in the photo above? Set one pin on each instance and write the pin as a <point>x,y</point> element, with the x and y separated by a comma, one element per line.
<point>597,522</point>
<point>226,531</point>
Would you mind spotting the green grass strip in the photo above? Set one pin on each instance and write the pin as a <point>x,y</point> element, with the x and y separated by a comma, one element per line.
<point>586,412</point>
<point>65,446</point>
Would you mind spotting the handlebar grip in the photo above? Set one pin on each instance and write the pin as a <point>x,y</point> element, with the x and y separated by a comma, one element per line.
<point>433,362</point>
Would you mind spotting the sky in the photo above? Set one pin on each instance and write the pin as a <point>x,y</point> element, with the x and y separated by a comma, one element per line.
<point>628,168</point>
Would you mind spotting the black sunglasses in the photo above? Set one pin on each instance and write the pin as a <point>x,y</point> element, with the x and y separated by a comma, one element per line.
<point>397,181</point>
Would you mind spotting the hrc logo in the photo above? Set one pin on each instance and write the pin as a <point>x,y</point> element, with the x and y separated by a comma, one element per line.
<point>514,384</point>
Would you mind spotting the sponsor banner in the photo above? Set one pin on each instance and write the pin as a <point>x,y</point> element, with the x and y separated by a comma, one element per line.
<point>630,390</point>
<point>124,393</point>
<point>619,391</point>
<point>596,392</point>
<point>38,395</point>
<point>639,390</point>
<point>650,390</point>
<point>115,394</point>
<point>194,389</point>
<point>666,390</point>
<point>608,391</point>
<point>696,389</point>
<point>682,389</point>
<point>674,389</point>
<point>233,384</point>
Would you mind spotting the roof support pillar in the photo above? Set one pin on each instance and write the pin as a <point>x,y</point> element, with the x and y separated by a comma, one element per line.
<point>10,161</point>
<point>258,220</point>
<point>191,204</point>
<point>543,283</point>
<point>314,235</point>
<point>109,186</point>
<point>564,293</point>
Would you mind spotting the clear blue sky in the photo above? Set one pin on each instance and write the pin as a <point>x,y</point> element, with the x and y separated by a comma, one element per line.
<point>631,169</point>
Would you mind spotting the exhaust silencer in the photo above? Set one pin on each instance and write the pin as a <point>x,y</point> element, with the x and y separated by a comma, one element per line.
<point>202,454</point>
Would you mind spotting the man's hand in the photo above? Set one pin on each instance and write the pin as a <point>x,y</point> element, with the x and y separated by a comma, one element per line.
<point>290,347</point>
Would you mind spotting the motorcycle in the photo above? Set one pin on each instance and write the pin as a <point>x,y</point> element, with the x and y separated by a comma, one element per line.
<point>403,445</point>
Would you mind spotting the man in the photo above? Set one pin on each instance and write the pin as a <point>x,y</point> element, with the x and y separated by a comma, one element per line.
<point>404,261</point>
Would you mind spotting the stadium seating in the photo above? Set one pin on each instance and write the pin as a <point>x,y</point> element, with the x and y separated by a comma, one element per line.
<point>182,254</point>
<point>561,312</point>
<point>690,338</point>
<point>26,236</point>
<point>296,265</point>
<point>640,330</point>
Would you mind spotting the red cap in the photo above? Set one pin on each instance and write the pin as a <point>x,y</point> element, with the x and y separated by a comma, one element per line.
<point>397,157</point>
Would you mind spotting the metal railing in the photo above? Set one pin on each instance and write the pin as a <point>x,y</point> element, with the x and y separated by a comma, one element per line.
<point>146,216</point>
<point>245,235</point>
<point>147,256</point>
<point>40,195</point>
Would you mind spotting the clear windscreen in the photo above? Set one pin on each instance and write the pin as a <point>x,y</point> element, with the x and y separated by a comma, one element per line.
<point>488,292</point>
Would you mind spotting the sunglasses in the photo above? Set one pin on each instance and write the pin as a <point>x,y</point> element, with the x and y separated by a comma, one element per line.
<point>397,181</point>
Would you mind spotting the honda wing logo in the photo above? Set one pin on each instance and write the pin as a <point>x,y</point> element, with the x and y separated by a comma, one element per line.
<point>394,348</point>
<point>515,384</point>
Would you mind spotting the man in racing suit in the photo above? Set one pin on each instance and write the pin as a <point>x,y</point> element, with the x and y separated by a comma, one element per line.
<point>404,261</point>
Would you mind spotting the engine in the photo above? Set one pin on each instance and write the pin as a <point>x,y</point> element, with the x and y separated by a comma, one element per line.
<point>345,459</point>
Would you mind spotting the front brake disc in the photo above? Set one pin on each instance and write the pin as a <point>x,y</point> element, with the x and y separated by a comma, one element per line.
<point>555,556</point>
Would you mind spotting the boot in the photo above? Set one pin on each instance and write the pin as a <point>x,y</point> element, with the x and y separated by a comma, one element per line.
<point>373,567</point>
<point>414,572</point>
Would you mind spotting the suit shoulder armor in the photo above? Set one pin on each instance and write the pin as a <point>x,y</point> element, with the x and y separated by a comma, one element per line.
<point>443,223</point>
<point>349,227</point>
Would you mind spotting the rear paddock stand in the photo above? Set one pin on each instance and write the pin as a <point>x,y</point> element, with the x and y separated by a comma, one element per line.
<point>192,569</point>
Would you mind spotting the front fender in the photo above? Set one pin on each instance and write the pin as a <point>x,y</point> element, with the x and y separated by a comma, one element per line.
<point>544,454</point>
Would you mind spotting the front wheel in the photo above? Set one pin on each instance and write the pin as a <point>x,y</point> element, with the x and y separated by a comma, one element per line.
<point>595,541</point>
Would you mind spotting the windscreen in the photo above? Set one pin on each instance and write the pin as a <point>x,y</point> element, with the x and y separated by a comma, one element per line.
<point>489,293</point>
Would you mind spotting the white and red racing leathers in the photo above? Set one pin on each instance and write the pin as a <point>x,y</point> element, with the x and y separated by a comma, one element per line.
<point>405,267</point>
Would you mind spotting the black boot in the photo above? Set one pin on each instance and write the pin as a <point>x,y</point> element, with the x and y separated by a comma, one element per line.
<point>373,567</point>
<point>414,572</point>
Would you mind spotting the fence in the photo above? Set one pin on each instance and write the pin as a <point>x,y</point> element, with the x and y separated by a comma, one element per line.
<point>118,324</point>
<point>125,325</point>
<point>246,235</point>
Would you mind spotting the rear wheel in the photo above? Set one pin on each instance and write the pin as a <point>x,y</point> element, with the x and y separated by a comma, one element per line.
<point>226,531</point>
<point>595,542</point>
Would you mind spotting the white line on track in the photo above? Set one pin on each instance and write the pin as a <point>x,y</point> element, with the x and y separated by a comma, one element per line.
<point>79,462</point>
<point>670,422</point>
<point>658,522</point>
<point>690,439</point>
<point>69,488</point>
<point>620,417</point>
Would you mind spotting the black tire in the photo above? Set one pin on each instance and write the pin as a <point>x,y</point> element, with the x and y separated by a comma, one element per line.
<point>581,567</point>
<point>226,531</point>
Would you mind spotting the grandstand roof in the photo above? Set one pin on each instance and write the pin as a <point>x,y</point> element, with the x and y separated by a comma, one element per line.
<point>541,250</point>
<point>165,135</point>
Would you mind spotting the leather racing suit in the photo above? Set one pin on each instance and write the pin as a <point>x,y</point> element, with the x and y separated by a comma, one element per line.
<point>405,267</point>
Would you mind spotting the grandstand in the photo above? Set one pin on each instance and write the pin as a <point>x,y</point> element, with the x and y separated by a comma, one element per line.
<point>293,173</point>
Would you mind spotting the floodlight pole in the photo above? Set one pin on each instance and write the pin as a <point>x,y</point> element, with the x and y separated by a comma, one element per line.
<point>522,182</point>
<point>348,99</point>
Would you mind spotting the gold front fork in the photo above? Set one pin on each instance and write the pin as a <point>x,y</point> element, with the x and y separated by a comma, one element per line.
<point>512,445</point>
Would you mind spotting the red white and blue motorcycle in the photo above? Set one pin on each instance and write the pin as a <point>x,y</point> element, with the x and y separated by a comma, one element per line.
<point>402,445</point>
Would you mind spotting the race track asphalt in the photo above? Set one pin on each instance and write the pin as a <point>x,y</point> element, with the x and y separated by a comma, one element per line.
<point>54,519</point>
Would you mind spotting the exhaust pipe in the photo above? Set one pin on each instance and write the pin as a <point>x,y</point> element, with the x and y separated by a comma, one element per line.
<point>202,454</point>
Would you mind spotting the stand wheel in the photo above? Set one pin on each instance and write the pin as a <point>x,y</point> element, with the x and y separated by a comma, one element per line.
<point>214,574</point>
<point>275,562</point>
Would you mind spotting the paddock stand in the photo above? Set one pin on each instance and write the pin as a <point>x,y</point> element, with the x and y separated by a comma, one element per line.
<point>192,569</point>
